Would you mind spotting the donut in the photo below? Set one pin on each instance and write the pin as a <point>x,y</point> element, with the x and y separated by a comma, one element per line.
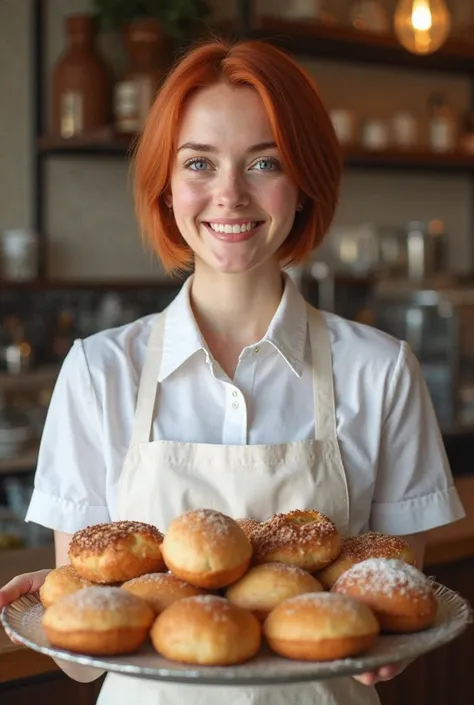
<point>317,627</point>
<point>307,539</point>
<point>359,548</point>
<point>265,586</point>
<point>160,590</point>
<point>60,582</point>
<point>400,595</point>
<point>206,630</point>
<point>98,621</point>
<point>115,552</point>
<point>206,548</point>
<point>248,526</point>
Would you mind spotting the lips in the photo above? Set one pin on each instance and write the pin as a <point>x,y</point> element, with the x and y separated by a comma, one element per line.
<point>240,236</point>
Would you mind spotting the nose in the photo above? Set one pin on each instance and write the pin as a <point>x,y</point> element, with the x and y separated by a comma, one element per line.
<point>231,191</point>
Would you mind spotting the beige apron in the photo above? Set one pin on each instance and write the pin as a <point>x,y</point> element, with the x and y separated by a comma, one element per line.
<point>162,479</point>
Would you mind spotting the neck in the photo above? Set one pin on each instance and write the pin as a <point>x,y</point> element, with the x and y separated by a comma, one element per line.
<point>234,310</point>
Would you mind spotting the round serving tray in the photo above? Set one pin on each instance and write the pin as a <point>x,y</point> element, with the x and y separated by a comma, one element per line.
<point>22,620</point>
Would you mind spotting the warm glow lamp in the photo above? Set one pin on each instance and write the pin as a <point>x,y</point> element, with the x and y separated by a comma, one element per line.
<point>422,26</point>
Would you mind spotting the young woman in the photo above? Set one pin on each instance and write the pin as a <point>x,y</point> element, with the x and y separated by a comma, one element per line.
<point>239,396</point>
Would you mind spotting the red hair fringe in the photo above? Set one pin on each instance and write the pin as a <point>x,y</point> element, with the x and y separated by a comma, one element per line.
<point>302,130</point>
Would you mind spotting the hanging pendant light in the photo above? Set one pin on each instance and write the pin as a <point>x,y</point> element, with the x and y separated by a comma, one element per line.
<point>422,26</point>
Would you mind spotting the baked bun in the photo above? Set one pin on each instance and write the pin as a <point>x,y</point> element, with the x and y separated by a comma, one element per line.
<point>160,590</point>
<point>206,630</point>
<point>264,586</point>
<point>317,627</point>
<point>360,548</point>
<point>206,548</point>
<point>59,583</point>
<point>115,552</point>
<point>307,539</point>
<point>98,621</point>
<point>248,526</point>
<point>400,595</point>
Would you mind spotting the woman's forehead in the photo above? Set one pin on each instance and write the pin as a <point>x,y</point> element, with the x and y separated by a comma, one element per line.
<point>221,112</point>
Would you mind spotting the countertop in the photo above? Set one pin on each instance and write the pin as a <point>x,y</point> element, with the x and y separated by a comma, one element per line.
<point>446,544</point>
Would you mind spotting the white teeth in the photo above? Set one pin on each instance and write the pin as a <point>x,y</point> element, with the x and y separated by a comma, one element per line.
<point>221,228</point>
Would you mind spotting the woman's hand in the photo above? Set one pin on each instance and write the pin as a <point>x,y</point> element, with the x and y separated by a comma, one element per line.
<point>385,673</point>
<point>21,585</point>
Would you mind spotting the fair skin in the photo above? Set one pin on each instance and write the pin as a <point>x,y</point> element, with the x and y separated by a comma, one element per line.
<point>228,171</point>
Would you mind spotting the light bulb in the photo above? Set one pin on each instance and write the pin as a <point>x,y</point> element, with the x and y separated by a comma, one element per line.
<point>422,26</point>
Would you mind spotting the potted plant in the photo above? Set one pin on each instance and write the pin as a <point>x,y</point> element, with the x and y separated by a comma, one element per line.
<point>176,17</point>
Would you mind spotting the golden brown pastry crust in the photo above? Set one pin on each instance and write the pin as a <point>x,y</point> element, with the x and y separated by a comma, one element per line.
<point>264,586</point>
<point>206,630</point>
<point>160,590</point>
<point>248,526</point>
<point>206,548</point>
<point>307,539</point>
<point>400,595</point>
<point>98,621</point>
<point>360,548</point>
<point>315,627</point>
<point>115,552</point>
<point>59,583</point>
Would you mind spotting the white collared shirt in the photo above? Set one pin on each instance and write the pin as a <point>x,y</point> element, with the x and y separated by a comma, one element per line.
<point>398,476</point>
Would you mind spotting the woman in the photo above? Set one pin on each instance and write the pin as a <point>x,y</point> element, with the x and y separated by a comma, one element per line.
<point>246,400</point>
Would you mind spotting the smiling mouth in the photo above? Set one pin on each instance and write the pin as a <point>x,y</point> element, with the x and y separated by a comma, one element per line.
<point>233,232</point>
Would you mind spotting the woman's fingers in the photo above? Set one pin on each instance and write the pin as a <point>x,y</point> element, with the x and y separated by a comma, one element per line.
<point>22,585</point>
<point>384,673</point>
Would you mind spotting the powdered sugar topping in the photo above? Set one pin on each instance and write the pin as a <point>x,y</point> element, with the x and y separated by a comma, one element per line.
<point>387,576</point>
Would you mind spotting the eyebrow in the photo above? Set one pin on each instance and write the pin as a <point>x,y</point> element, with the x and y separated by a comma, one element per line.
<point>198,147</point>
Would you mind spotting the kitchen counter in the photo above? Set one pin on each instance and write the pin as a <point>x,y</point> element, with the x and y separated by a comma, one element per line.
<point>446,544</point>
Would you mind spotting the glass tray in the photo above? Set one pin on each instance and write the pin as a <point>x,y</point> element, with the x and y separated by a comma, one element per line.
<point>22,619</point>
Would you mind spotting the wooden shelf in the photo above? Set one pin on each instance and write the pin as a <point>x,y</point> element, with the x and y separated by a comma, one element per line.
<point>94,284</point>
<point>413,160</point>
<point>31,378</point>
<point>345,44</point>
<point>24,462</point>
<point>102,146</point>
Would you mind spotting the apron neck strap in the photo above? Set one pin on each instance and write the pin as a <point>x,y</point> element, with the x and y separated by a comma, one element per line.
<point>323,385</point>
<point>147,390</point>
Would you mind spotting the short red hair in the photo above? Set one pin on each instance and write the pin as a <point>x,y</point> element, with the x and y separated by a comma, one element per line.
<point>302,130</point>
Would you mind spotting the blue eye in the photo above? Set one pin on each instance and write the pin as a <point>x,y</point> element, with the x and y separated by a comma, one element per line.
<point>197,164</point>
<point>267,164</point>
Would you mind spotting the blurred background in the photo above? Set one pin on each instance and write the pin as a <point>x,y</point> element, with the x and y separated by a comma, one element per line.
<point>76,81</point>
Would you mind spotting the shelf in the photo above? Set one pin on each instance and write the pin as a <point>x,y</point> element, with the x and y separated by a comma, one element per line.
<point>24,462</point>
<point>31,378</point>
<point>102,146</point>
<point>416,160</point>
<point>91,284</point>
<point>346,44</point>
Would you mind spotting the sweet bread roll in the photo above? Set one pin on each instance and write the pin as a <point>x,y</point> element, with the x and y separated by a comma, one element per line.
<point>248,526</point>
<point>317,627</point>
<point>307,539</point>
<point>264,586</point>
<point>206,548</point>
<point>115,552</point>
<point>98,621</point>
<point>206,630</point>
<point>160,590</point>
<point>59,583</point>
<point>400,595</point>
<point>360,548</point>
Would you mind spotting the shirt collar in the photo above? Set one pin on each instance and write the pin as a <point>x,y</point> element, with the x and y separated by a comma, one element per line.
<point>287,331</point>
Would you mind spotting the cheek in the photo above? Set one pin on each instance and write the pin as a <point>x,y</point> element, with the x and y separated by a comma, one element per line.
<point>187,197</point>
<point>280,200</point>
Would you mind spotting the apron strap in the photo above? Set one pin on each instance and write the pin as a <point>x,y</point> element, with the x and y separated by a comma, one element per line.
<point>147,390</point>
<point>323,386</point>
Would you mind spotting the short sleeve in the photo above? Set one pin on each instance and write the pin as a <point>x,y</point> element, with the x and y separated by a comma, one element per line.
<point>414,488</point>
<point>69,488</point>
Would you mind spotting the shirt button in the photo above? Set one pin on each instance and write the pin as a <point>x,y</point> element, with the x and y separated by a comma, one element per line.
<point>235,405</point>
<point>256,351</point>
<point>235,394</point>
